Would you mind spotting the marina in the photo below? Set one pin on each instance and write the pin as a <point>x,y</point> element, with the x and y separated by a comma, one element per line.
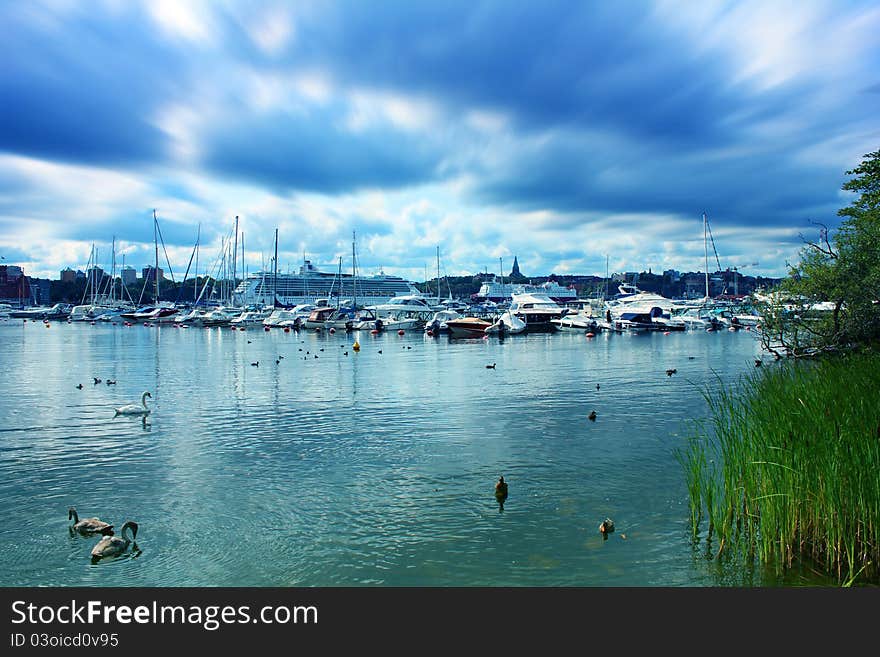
<point>344,467</point>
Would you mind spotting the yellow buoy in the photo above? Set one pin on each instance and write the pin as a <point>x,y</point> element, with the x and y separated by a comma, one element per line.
<point>356,346</point>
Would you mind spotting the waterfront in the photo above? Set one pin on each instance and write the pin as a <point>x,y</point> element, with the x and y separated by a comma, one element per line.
<point>365,469</point>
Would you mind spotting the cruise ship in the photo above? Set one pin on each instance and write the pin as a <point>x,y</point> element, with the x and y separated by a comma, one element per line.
<point>311,284</point>
<point>497,291</point>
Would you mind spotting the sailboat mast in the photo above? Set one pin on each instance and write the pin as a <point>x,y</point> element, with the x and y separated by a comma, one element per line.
<point>235,252</point>
<point>706,249</point>
<point>156,242</point>
<point>438,273</point>
<point>501,271</point>
<point>275,277</point>
<point>353,274</point>
<point>196,277</point>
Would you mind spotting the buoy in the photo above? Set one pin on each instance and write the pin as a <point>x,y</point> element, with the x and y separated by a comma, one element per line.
<point>665,332</point>
<point>47,324</point>
<point>374,332</point>
<point>429,332</point>
<point>332,330</point>
<point>241,329</point>
<point>401,332</point>
<point>591,335</point>
<point>356,346</point>
<point>287,329</point>
<point>265,328</point>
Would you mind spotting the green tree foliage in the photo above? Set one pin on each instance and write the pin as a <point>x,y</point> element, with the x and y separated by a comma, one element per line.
<point>831,300</point>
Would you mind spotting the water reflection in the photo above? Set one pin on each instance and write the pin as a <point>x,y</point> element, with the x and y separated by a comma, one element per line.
<point>358,467</point>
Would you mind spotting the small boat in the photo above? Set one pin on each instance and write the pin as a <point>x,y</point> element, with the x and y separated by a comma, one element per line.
<point>507,324</point>
<point>468,327</point>
<point>437,323</point>
<point>157,313</point>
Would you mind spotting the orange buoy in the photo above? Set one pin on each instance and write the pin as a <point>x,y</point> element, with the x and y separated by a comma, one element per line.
<point>287,329</point>
<point>665,332</point>
<point>401,332</point>
<point>591,335</point>
<point>429,332</point>
<point>374,332</point>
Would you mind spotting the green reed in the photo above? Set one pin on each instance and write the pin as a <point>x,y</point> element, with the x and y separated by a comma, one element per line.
<point>788,466</point>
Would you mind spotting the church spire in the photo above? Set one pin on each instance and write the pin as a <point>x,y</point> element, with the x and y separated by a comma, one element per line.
<point>515,271</point>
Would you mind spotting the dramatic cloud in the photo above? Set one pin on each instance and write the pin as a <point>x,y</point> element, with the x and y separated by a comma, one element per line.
<point>566,133</point>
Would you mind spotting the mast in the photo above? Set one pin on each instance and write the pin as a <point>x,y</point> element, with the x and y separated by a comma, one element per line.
<point>113,271</point>
<point>706,249</point>
<point>156,241</point>
<point>196,277</point>
<point>353,275</point>
<point>275,277</point>
<point>606,276</point>
<point>438,274</point>
<point>501,269</point>
<point>339,291</point>
<point>235,252</point>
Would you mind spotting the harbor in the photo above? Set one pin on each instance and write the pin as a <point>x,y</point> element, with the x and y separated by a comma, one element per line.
<point>357,468</point>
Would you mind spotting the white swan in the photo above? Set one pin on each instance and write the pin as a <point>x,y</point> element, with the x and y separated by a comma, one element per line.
<point>135,409</point>
<point>113,546</point>
<point>88,526</point>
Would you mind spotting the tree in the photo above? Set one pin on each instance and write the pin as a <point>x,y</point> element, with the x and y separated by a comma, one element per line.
<point>831,299</point>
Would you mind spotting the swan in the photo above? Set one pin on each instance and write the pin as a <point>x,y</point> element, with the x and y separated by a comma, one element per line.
<point>113,546</point>
<point>134,409</point>
<point>88,525</point>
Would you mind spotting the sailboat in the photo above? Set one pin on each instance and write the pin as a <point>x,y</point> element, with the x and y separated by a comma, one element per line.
<point>158,312</point>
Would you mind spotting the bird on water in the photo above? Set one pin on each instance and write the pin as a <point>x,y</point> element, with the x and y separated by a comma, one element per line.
<point>490,367</point>
<point>592,416</point>
<point>135,409</point>
<point>113,546</point>
<point>670,372</point>
<point>88,526</point>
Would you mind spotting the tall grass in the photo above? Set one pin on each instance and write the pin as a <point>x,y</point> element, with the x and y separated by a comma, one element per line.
<point>788,466</point>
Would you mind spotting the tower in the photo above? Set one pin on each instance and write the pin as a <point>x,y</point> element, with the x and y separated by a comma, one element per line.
<point>514,273</point>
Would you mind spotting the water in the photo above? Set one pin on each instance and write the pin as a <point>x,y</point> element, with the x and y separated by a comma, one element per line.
<point>365,469</point>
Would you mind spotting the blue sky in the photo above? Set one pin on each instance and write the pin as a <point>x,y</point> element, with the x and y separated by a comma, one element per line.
<point>558,132</point>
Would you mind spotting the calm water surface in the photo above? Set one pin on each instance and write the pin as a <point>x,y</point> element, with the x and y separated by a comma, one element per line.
<point>374,468</point>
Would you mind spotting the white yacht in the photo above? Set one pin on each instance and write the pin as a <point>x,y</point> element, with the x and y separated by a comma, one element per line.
<point>631,299</point>
<point>537,311</point>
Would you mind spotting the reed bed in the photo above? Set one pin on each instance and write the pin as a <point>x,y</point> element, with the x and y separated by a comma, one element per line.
<point>788,467</point>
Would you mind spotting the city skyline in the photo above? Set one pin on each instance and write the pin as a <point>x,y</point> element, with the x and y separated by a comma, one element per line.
<point>566,134</point>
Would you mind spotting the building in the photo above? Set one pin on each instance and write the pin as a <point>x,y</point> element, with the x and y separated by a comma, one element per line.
<point>514,273</point>
<point>147,273</point>
<point>14,285</point>
<point>68,275</point>
<point>129,275</point>
<point>40,291</point>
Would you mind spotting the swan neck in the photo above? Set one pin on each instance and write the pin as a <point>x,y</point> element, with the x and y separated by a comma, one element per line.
<point>72,512</point>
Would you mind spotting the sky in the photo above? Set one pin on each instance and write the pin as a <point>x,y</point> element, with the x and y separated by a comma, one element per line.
<point>573,135</point>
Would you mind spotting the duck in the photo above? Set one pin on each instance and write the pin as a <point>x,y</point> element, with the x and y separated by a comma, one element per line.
<point>758,362</point>
<point>135,409</point>
<point>257,364</point>
<point>597,386</point>
<point>110,383</point>
<point>501,487</point>
<point>592,416</point>
<point>79,386</point>
<point>490,367</point>
<point>88,526</point>
<point>113,546</point>
<point>606,526</point>
<point>670,372</point>
<point>97,380</point>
